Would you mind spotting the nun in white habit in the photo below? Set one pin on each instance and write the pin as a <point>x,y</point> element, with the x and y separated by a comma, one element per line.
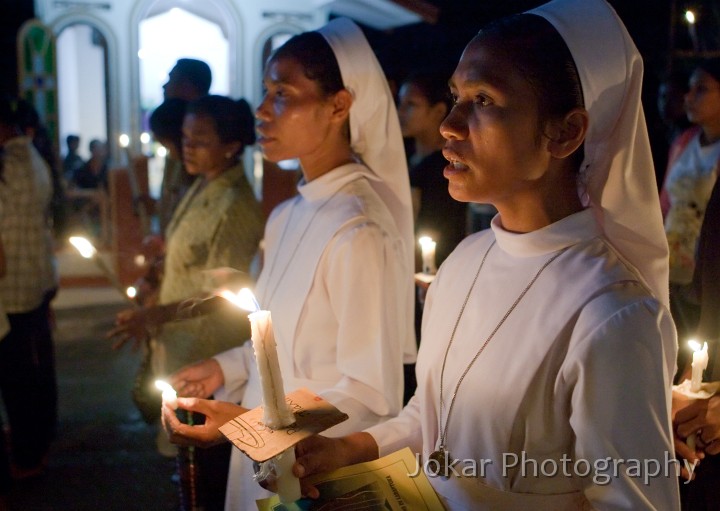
<point>547,349</point>
<point>338,274</point>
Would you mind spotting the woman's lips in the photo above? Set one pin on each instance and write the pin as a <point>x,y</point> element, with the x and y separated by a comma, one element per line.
<point>455,164</point>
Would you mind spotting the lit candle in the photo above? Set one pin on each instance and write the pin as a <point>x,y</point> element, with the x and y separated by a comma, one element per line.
<point>169,395</point>
<point>276,412</point>
<point>699,364</point>
<point>145,142</point>
<point>427,245</point>
<point>88,251</point>
<point>691,19</point>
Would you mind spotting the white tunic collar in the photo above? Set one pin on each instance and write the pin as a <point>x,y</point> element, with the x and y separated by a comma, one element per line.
<point>569,231</point>
<point>330,182</point>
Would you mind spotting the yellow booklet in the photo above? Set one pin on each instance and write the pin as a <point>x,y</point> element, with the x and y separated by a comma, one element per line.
<point>383,485</point>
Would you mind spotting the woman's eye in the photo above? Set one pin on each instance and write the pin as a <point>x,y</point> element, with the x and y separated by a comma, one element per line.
<point>454,98</point>
<point>482,100</point>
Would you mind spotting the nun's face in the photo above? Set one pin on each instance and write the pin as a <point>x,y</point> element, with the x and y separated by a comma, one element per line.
<point>702,102</point>
<point>493,139</point>
<point>294,117</point>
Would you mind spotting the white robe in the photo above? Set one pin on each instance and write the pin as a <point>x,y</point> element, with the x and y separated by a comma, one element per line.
<point>581,368</point>
<point>336,280</point>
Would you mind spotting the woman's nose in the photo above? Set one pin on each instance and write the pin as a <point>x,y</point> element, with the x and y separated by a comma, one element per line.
<point>455,125</point>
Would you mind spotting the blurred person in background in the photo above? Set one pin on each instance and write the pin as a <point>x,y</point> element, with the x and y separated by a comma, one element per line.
<point>27,359</point>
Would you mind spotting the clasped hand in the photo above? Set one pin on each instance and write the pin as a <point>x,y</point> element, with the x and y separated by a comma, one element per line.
<point>194,382</point>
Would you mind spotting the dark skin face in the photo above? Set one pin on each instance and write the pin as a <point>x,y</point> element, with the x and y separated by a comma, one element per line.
<point>203,152</point>
<point>295,119</point>
<point>500,151</point>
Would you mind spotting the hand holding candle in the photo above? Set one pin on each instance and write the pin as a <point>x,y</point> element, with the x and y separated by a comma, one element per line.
<point>276,412</point>
<point>427,245</point>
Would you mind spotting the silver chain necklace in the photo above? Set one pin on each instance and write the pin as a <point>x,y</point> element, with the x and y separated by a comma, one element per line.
<point>441,456</point>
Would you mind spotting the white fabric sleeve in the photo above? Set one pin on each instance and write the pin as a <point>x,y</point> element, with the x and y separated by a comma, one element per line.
<point>235,365</point>
<point>620,373</point>
<point>363,275</point>
<point>405,430</point>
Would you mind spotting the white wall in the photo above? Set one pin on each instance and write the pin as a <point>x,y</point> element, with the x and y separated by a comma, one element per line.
<point>81,87</point>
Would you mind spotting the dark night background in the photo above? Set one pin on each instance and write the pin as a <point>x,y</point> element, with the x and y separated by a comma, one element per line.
<point>663,44</point>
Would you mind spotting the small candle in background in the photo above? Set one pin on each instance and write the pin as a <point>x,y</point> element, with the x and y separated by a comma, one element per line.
<point>145,143</point>
<point>169,395</point>
<point>131,292</point>
<point>427,245</point>
<point>699,364</point>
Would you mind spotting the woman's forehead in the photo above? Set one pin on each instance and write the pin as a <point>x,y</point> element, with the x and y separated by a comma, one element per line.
<point>484,62</point>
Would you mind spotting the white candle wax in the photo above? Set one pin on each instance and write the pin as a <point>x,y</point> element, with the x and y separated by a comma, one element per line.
<point>277,413</point>
<point>699,364</point>
<point>427,246</point>
<point>288,486</point>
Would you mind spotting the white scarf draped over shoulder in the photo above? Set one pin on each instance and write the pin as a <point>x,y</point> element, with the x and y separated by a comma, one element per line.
<point>375,135</point>
<point>617,176</point>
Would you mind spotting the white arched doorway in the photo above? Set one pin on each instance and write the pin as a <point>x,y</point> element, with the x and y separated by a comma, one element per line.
<point>163,31</point>
<point>82,52</point>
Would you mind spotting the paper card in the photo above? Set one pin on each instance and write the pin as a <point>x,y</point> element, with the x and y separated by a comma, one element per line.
<point>313,415</point>
<point>391,483</point>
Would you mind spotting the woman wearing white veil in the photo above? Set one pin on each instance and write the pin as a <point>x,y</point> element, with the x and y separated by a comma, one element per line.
<point>338,275</point>
<point>547,348</point>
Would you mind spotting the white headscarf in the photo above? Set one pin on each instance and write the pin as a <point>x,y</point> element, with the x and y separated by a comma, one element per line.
<point>375,134</point>
<point>617,176</point>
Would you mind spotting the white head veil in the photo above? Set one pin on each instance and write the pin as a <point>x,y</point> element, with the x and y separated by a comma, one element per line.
<point>617,175</point>
<point>375,134</point>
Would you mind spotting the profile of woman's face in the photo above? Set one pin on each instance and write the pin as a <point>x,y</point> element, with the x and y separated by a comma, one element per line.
<point>294,117</point>
<point>702,101</point>
<point>203,152</point>
<point>493,140</point>
<point>415,111</point>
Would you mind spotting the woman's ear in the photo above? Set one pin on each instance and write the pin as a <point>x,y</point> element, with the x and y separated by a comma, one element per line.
<point>231,149</point>
<point>342,101</point>
<point>566,135</point>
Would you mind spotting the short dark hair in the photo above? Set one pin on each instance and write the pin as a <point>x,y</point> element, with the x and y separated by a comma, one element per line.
<point>195,72</point>
<point>314,54</point>
<point>234,120</point>
<point>433,85</point>
<point>72,139</point>
<point>711,66</point>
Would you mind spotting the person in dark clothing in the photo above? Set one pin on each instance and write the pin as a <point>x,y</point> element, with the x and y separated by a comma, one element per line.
<point>94,173</point>
<point>424,103</point>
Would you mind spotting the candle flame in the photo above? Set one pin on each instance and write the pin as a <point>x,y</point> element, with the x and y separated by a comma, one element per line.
<point>694,345</point>
<point>161,152</point>
<point>690,17</point>
<point>163,385</point>
<point>83,246</point>
<point>145,137</point>
<point>426,241</point>
<point>244,299</point>
<point>124,140</point>
<point>131,292</point>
